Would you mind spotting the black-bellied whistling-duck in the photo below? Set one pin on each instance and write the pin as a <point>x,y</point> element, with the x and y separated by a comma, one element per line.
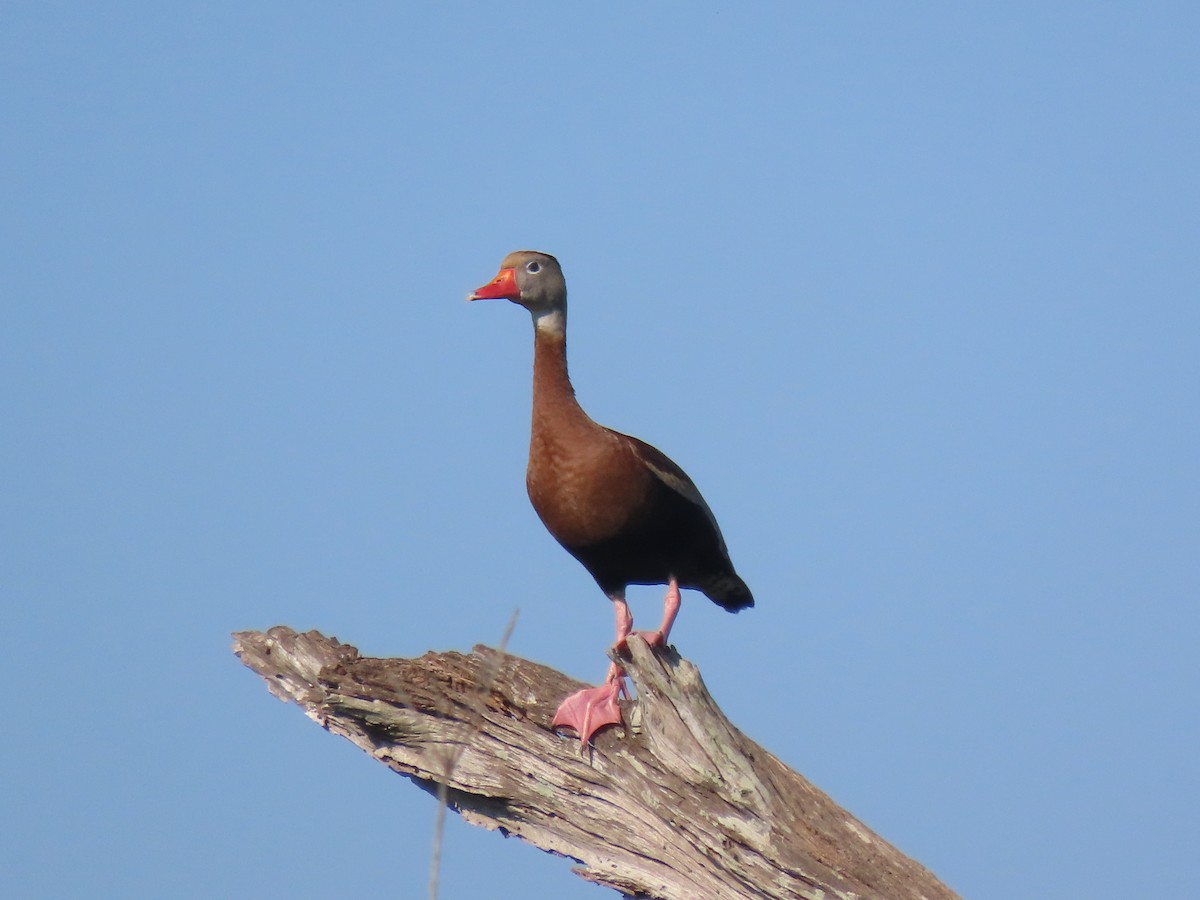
<point>618,505</point>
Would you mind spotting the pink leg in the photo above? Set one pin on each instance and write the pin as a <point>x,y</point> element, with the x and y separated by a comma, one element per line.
<point>589,710</point>
<point>670,611</point>
<point>624,618</point>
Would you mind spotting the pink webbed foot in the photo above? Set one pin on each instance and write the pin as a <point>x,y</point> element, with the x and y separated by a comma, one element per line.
<point>589,710</point>
<point>654,638</point>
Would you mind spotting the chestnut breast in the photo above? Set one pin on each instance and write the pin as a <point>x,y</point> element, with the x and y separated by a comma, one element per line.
<point>584,480</point>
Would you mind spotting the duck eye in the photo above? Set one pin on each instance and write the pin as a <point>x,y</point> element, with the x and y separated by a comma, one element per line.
<point>533,267</point>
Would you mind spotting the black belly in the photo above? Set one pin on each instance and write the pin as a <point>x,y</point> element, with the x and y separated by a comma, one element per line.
<point>669,536</point>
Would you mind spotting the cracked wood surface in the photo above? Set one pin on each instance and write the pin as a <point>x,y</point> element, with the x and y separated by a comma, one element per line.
<point>677,805</point>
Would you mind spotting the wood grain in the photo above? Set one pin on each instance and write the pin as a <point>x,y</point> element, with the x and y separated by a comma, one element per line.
<point>678,805</point>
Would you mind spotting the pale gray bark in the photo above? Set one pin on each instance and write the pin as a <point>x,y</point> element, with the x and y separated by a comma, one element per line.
<point>678,805</point>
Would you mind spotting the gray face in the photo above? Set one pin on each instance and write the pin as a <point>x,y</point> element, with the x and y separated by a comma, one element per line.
<point>540,280</point>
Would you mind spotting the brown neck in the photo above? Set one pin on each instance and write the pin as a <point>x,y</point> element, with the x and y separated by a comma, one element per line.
<point>554,405</point>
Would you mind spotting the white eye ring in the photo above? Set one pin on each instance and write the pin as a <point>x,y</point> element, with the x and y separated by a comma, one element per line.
<point>533,267</point>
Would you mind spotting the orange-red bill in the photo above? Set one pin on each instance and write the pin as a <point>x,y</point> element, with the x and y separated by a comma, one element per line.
<point>502,287</point>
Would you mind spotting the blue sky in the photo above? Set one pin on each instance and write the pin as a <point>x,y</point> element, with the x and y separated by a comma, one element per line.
<point>911,292</point>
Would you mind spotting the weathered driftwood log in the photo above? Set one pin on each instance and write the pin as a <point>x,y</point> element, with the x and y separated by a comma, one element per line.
<point>679,805</point>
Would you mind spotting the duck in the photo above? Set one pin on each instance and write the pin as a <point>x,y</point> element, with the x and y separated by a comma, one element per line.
<point>621,507</point>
